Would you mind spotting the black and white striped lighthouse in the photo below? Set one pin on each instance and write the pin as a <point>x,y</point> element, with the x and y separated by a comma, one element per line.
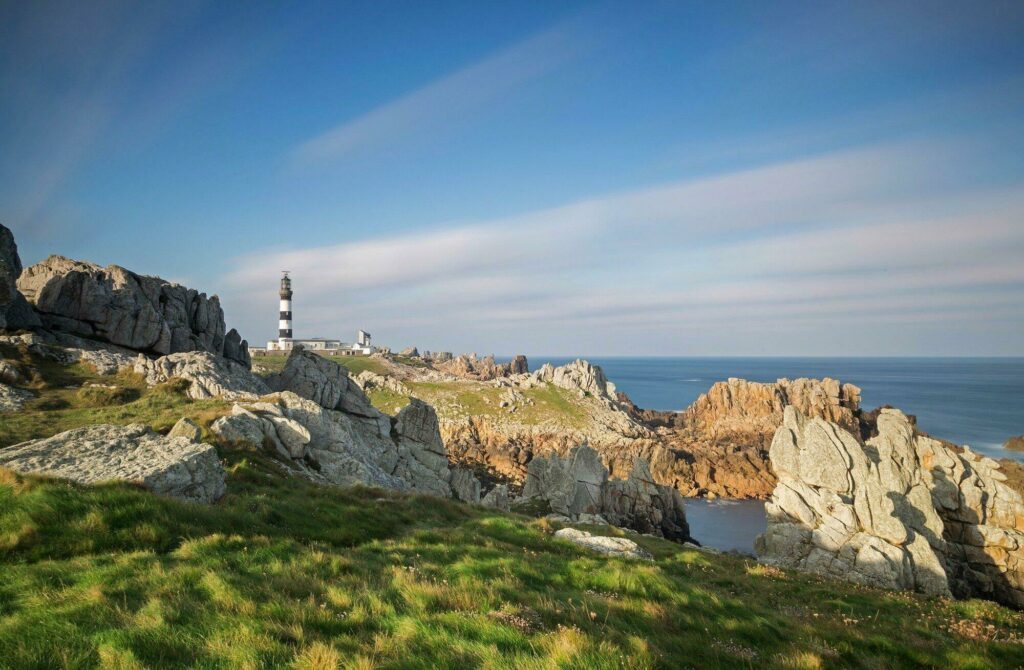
<point>284,332</point>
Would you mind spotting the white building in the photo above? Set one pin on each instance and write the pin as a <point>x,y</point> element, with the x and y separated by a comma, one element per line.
<point>285,341</point>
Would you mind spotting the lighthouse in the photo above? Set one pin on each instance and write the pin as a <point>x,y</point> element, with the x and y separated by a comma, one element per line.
<point>326,346</point>
<point>284,332</point>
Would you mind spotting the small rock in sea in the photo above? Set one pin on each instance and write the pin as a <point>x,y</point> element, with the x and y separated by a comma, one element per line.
<point>1015,443</point>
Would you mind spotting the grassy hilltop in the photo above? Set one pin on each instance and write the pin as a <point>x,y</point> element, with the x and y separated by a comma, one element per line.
<point>282,572</point>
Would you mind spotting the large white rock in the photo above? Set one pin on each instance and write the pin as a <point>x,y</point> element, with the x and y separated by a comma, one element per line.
<point>171,466</point>
<point>619,547</point>
<point>900,511</point>
<point>323,381</point>
<point>404,453</point>
<point>209,376</point>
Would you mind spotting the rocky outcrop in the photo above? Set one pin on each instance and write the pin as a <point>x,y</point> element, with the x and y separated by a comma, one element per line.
<point>117,306</point>
<point>371,380</point>
<point>422,454</point>
<point>9,374</point>
<point>719,445</point>
<point>640,503</point>
<point>571,485</point>
<point>188,429</point>
<point>899,511</point>
<point>236,349</point>
<point>1015,443</point>
<point>750,412</point>
<point>409,352</point>
<point>209,376</point>
<point>323,381</point>
<point>465,485</point>
<point>578,485</point>
<point>262,425</point>
<point>403,453</point>
<point>469,366</point>
<point>15,312</point>
<point>579,376</point>
<point>619,547</point>
<point>171,466</point>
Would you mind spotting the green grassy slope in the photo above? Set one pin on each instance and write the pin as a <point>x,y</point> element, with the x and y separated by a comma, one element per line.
<point>286,573</point>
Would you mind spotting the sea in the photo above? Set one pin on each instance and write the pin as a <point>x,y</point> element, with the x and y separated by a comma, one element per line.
<point>973,401</point>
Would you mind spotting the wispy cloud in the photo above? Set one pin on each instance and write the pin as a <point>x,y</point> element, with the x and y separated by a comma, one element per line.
<point>449,98</point>
<point>872,232</point>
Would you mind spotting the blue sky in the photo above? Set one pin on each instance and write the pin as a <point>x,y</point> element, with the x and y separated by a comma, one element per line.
<point>549,178</point>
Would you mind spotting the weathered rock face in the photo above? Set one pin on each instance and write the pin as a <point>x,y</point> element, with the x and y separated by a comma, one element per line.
<point>738,409</point>
<point>323,381</point>
<point>1015,443</point>
<point>15,312</point>
<point>578,485</point>
<point>465,485</point>
<point>371,380</point>
<point>116,305</point>
<point>468,366</point>
<point>237,349</point>
<point>719,445</point>
<point>209,376</point>
<point>579,376</point>
<point>640,503</point>
<point>900,511</point>
<point>171,466</point>
<point>570,485</point>
<point>498,498</point>
<point>403,453</point>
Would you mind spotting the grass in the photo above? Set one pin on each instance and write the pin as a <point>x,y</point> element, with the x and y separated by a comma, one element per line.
<point>74,396</point>
<point>354,364</point>
<point>286,573</point>
<point>386,400</point>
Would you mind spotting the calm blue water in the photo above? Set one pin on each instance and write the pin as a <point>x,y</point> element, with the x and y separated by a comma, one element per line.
<point>975,401</point>
<point>726,524</point>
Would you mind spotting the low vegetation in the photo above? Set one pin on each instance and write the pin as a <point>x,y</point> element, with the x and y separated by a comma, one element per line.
<point>269,363</point>
<point>73,396</point>
<point>285,573</point>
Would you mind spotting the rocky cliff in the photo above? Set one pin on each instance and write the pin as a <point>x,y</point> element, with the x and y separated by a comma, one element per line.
<point>117,306</point>
<point>578,486</point>
<point>15,312</point>
<point>900,510</point>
